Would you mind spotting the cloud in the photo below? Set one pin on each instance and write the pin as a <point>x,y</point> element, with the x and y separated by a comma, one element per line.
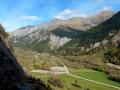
<point>67,13</point>
<point>32,18</point>
<point>106,8</point>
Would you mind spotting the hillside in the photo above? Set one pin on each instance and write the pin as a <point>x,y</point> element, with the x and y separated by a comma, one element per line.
<point>100,35</point>
<point>55,34</point>
<point>12,76</point>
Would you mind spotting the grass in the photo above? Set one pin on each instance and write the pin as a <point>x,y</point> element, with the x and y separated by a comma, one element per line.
<point>26,58</point>
<point>86,73</point>
<point>94,75</point>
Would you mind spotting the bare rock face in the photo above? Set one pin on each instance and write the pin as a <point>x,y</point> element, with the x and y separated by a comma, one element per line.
<point>80,23</point>
<point>114,71</point>
<point>12,76</point>
<point>102,16</point>
<point>56,41</point>
<point>116,38</point>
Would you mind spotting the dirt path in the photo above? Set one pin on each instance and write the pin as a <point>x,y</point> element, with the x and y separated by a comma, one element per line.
<point>54,70</point>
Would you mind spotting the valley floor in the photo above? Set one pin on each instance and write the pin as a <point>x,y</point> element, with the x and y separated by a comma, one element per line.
<point>76,78</point>
<point>87,79</point>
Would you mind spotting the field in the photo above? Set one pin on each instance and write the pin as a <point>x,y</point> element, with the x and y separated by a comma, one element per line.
<point>84,85</point>
<point>28,59</point>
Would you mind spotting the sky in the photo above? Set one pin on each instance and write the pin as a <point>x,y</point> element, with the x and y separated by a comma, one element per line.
<point>18,13</point>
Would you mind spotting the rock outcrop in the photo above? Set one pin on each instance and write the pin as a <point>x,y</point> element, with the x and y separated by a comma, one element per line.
<point>12,76</point>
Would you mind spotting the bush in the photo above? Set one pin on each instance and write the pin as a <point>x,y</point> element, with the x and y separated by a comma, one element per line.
<point>2,32</point>
<point>37,84</point>
<point>76,84</point>
<point>57,82</point>
<point>113,55</point>
<point>86,89</point>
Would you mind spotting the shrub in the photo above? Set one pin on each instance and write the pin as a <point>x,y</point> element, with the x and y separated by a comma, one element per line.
<point>113,55</point>
<point>2,32</point>
<point>37,84</point>
<point>86,89</point>
<point>57,82</point>
<point>76,84</point>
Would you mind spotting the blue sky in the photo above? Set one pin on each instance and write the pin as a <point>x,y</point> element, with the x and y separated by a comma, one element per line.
<point>18,13</point>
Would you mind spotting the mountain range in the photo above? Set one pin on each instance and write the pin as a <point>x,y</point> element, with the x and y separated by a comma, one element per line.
<point>57,33</point>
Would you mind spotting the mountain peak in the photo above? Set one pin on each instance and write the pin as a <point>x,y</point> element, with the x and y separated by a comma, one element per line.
<point>28,26</point>
<point>79,23</point>
<point>105,13</point>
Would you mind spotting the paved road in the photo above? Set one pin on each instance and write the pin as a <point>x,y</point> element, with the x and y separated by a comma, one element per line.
<point>68,73</point>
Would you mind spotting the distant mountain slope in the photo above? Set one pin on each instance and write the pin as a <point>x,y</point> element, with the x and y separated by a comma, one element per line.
<point>56,33</point>
<point>93,37</point>
<point>79,23</point>
<point>102,31</point>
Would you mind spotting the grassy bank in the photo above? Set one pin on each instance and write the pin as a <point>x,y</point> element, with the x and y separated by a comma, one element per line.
<point>84,85</point>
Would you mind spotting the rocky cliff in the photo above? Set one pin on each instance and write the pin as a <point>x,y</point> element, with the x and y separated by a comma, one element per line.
<point>12,77</point>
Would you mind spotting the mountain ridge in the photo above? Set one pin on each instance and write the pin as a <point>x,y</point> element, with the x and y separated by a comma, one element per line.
<point>72,21</point>
<point>38,33</point>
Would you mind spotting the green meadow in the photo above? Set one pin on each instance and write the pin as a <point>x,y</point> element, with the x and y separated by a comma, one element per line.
<point>84,85</point>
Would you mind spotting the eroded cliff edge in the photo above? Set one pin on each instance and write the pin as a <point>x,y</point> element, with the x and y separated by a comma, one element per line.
<point>12,76</point>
